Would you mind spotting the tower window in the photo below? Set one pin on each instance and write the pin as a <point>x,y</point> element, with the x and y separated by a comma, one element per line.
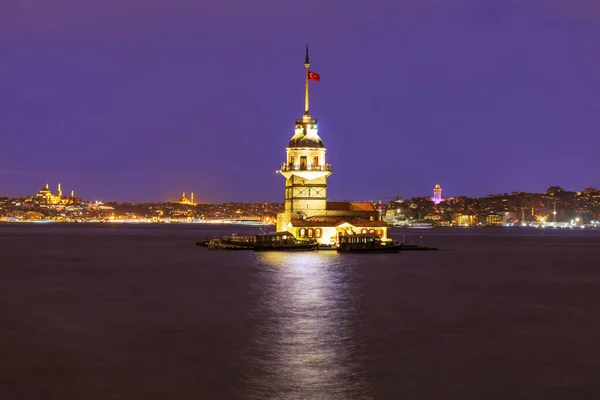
<point>315,160</point>
<point>292,160</point>
<point>302,162</point>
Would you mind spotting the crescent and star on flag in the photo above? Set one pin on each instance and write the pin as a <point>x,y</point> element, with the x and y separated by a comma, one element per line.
<point>313,76</point>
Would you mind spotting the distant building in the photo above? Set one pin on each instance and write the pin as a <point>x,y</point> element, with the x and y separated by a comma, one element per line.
<point>465,219</point>
<point>33,215</point>
<point>437,193</point>
<point>184,200</point>
<point>45,196</point>
<point>495,219</point>
<point>307,212</point>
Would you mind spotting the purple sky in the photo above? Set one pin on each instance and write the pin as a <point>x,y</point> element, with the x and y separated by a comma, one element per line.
<point>139,99</point>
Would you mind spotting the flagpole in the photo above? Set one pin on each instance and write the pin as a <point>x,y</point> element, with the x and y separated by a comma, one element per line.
<point>306,64</point>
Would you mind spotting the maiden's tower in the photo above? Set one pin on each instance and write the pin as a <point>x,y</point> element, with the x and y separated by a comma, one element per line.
<point>307,212</point>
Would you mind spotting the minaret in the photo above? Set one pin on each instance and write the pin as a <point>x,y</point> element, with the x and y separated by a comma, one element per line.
<point>437,193</point>
<point>305,169</point>
<point>59,193</point>
<point>192,198</point>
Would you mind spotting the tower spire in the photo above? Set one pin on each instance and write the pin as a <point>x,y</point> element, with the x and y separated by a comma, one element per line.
<point>306,65</point>
<point>306,60</point>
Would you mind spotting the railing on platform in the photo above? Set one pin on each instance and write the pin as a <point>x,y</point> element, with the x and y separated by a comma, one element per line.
<point>295,167</point>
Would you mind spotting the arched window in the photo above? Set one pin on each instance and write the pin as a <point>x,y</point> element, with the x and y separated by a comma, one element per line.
<point>363,230</point>
<point>302,232</point>
<point>310,232</point>
<point>371,230</point>
<point>318,232</point>
<point>380,232</point>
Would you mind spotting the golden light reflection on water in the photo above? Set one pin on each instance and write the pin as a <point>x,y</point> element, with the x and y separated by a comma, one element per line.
<point>305,259</point>
<point>304,318</point>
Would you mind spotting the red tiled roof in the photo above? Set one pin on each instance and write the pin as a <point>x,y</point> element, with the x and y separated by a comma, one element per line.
<point>350,206</point>
<point>315,222</point>
<point>318,221</point>
<point>360,222</point>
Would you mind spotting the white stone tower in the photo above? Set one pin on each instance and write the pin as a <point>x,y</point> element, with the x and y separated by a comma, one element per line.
<point>305,169</point>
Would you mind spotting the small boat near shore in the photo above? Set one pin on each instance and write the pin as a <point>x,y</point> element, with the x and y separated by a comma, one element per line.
<point>367,243</point>
<point>283,241</point>
<point>233,242</point>
<point>420,225</point>
<point>279,241</point>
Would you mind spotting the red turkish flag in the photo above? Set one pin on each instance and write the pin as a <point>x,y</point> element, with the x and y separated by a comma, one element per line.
<point>313,76</point>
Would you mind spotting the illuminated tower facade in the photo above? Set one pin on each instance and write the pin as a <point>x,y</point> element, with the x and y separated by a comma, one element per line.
<point>437,193</point>
<point>305,170</point>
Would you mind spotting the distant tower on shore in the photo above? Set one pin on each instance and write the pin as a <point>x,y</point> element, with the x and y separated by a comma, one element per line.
<point>437,193</point>
<point>185,200</point>
<point>59,193</point>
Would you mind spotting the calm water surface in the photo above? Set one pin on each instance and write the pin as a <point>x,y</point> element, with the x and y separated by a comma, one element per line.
<point>140,312</point>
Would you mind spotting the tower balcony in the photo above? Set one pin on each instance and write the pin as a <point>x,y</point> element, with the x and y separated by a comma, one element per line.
<point>285,167</point>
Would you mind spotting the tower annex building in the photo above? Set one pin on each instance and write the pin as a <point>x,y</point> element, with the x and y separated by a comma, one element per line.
<point>307,213</point>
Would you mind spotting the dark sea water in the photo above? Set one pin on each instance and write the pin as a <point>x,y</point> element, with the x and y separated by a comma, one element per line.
<point>140,312</point>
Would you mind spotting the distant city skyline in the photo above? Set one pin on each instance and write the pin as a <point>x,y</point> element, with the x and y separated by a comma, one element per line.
<point>189,197</point>
<point>138,101</point>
